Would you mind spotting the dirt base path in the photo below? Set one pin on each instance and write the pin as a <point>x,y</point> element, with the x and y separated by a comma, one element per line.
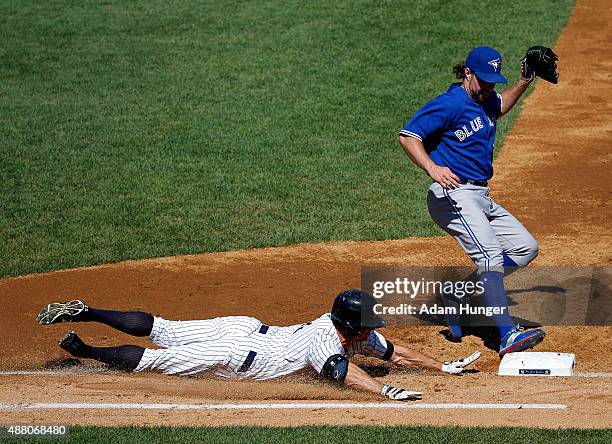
<point>553,174</point>
<point>587,405</point>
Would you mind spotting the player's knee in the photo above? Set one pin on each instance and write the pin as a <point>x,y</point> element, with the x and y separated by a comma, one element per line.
<point>526,253</point>
<point>532,250</point>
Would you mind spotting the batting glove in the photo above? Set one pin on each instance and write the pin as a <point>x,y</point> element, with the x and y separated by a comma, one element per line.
<point>399,394</point>
<point>456,367</point>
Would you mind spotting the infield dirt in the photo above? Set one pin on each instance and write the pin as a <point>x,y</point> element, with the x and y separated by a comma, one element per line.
<point>553,174</point>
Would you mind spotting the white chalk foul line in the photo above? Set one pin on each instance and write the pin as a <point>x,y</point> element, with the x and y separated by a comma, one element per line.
<point>101,371</point>
<point>273,406</point>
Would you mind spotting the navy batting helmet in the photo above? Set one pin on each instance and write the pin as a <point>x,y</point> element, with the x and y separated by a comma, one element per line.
<point>353,310</point>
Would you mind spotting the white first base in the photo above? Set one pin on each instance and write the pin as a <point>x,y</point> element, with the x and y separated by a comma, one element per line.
<point>537,364</point>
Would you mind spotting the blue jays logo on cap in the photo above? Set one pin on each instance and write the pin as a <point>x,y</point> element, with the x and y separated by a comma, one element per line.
<point>496,64</point>
<point>486,63</point>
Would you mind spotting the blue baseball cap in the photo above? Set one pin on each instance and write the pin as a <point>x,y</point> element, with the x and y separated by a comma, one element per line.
<point>486,62</point>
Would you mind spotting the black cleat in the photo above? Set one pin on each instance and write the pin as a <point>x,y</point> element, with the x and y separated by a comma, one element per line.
<point>72,344</point>
<point>61,312</point>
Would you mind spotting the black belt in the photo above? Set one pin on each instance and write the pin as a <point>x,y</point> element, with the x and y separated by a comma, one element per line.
<point>251,356</point>
<point>247,362</point>
<point>478,183</point>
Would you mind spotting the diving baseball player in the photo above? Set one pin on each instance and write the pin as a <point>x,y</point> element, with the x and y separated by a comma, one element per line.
<point>452,138</point>
<point>244,348</point>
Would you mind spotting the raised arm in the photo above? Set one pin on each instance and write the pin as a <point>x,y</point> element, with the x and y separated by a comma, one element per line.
<point>538,61</point>
<point>512,94</point>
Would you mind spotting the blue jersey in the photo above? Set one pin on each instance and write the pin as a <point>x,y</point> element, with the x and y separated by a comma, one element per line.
<point>458,132</point>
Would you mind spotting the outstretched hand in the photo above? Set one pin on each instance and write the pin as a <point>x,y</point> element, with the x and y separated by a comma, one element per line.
<point>400,394</point>
<point>457,367</point>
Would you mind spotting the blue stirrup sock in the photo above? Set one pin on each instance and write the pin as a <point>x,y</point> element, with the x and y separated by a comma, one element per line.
<point>495,296</point>
<point>509,267</point>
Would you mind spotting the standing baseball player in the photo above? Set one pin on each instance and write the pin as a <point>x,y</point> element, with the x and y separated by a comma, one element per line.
<point>244,348</point>
<point>452,138</point>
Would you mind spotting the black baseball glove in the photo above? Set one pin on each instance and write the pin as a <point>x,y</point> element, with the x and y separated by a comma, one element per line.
<point>540,61</point>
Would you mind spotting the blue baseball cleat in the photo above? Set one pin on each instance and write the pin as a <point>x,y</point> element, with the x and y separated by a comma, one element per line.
<point>519,340</point>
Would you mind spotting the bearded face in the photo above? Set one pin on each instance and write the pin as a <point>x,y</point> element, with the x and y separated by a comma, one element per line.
<point>477,88</point>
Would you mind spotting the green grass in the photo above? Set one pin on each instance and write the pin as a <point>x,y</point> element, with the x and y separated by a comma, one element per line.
<point>152,128</point>
<point>331,435</point>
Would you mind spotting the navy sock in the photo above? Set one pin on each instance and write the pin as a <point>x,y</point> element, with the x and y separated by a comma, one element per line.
<point>124,357</point>
<point>495,296</point>
<point>135,323</point>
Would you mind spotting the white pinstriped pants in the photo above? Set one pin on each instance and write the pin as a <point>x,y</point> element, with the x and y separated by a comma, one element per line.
<point>219,345</point>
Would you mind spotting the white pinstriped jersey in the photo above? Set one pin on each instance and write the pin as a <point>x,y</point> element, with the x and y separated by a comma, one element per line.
<point>242,347</point>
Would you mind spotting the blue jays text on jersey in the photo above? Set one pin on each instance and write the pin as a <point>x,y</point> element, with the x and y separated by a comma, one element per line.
<point>458,132</point>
